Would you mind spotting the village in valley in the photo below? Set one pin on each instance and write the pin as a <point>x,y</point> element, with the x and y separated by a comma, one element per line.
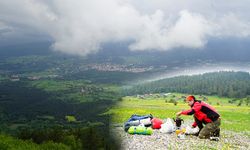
<point>63,69</point>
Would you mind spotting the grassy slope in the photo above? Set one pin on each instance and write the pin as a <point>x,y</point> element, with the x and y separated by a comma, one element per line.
<point>235,118</point>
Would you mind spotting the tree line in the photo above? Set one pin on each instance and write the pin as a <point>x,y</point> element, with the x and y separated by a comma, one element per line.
<point>225,84</point>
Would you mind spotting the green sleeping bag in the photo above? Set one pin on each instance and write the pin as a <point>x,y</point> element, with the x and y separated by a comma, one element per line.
<point>140,130</point>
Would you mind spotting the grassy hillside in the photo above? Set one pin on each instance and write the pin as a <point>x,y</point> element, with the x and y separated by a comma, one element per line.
<point>235,118</point>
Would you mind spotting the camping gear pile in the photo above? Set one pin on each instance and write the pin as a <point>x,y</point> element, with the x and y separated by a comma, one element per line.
<point>144,125</point>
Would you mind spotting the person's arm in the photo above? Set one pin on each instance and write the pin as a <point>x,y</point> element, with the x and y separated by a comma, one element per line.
<point>188,112</point>
<point>195,108</point>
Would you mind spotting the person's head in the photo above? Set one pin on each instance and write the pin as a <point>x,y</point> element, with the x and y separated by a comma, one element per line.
<point>190,100</point>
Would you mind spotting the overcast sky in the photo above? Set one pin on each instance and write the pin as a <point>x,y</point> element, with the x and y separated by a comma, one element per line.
<point>81,26</point>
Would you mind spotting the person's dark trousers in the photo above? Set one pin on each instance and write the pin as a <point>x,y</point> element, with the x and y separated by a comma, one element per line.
<point>210,130</point>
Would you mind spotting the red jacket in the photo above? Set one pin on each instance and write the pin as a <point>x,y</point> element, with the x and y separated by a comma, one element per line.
<point>202,112</point>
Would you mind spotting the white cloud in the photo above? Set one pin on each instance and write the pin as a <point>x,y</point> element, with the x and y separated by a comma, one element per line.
<point>231,25</point>
<point>81,26</point>
<point>190,30</point>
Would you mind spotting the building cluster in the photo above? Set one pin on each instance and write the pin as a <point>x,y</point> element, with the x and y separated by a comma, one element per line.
<point>15,78</point>
<point>119,68</point>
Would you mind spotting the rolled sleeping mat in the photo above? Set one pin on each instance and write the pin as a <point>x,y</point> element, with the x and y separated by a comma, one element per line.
<point>140,130</point>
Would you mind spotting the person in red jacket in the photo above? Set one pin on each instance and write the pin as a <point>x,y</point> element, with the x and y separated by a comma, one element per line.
<point>203,114</point>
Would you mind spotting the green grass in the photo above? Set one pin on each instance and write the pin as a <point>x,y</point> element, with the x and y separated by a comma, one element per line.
<point>234,118</point>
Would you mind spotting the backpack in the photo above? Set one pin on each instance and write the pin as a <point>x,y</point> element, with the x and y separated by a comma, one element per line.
<point>136,120</point>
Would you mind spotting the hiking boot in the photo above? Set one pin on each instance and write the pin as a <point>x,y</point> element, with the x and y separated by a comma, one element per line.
<point>216,133</point>
<point>196,134</point>
<point>214,138</point>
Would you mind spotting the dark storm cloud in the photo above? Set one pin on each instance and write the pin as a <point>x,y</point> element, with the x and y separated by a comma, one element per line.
<point>81,26</point>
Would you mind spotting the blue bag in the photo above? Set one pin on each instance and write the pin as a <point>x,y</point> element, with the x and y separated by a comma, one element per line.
<point>136,120</point>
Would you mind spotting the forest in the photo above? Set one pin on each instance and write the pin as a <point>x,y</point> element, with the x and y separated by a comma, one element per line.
<point>225,84</point>
<point>55,114</point>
